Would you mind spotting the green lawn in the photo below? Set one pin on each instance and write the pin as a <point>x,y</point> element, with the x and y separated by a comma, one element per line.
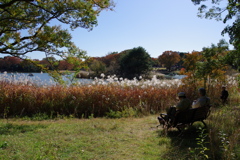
<point>118,139</point>
<point>100,138</point>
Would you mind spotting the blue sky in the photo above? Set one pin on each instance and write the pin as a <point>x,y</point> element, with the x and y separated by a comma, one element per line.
<point>156,25</point>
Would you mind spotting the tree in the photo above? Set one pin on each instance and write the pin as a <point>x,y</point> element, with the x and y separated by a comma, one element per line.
<point>109,58</point>
<point>206,66</point>
<point>190,61</point>
<point>213,65</point>
<point>28,66</point>
<point>50,63</point>
<point>64,65</point>
<point>230,10</point>
<point>233,59</point>
<point>25,25</point>
<point>98,67</point>
<point>155,62</point>
<point>10,64</point>
<point>111,61</point>
<point>190,68</point>
<point>169,58</point>
<point>135,62</point>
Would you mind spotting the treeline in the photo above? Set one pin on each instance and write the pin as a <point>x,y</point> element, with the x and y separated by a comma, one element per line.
<point>125,62</point>
<point>211,62</point>
<point>131,63</point>
<point>15,64</point>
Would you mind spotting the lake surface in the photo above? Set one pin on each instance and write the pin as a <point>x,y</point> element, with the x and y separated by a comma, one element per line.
<point>38,78</point>
<point>45,79</point>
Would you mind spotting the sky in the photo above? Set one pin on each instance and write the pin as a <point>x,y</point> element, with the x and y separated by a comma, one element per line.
<point>156,25</point>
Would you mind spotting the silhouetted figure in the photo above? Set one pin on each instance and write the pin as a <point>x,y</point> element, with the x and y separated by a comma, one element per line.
<point>224,95</point>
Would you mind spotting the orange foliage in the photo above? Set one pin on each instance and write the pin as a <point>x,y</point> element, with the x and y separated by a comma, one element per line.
<point>169,58</point>
<point>191,60</point>
<point>64,65</point>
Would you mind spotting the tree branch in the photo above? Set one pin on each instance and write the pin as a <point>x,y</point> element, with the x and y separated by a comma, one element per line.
<point>5,5</point>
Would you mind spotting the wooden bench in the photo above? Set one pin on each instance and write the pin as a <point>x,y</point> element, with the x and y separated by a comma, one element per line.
<point>185,118</point>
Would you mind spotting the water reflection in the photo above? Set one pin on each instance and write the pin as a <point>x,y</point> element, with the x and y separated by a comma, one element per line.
<point>36,78</point>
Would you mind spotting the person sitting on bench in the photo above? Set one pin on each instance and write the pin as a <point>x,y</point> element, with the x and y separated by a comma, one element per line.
<point>203,100</point>
<point>184,104</point>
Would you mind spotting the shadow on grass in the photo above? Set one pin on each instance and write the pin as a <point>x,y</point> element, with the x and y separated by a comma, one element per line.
<point>11,129</point>
<point>182,144</point>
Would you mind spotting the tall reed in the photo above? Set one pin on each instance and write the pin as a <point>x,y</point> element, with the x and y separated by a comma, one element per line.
<point>98,98</point>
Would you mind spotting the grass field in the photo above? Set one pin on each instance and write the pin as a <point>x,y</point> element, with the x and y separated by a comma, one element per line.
<point>100,138</point>
<point>85,139</point>
<point>124,138</point>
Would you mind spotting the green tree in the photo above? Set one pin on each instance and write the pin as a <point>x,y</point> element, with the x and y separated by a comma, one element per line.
<point>233,59</point>
<point>28,66</point>
<point>219,9</point>
<point>222,11</point>
<point>98,67</point>
<point>135,62</point>
<point>26,25</point>
<point>213,64</point>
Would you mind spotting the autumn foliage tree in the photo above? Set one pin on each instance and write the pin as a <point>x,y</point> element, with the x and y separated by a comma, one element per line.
<point>190,62</point>
<point>109,58</point>
<point>64,65</point>
<point>112,62</point>
<point>10,63</point>
<point>190,68</point>
<point>15,64</point>
<point>206,66</point>
<point>169,58</point>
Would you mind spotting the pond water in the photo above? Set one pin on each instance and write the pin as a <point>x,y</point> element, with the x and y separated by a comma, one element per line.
<point>178,76</point>
<point>38,78</point>
<point>46,79</point>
